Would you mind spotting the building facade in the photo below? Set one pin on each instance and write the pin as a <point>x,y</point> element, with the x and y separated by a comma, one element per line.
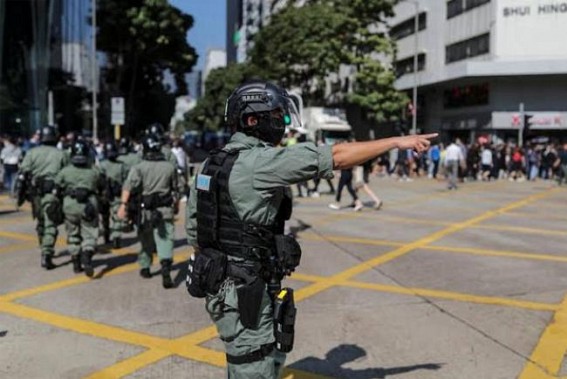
<point>215,58</point>
<point>484,67</point>
<point>44,64</point>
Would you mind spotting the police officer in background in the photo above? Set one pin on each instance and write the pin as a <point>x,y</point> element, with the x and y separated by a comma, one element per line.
<point>156,129</point>
<point>155,180</point>
<point>114,174</point>
<point>79,184</point>
<point>235,221</point>
<point>126,153</point>
<point>39,168</point>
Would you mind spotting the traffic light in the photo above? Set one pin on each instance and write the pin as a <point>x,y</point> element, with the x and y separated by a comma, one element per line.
<point>527,120</point>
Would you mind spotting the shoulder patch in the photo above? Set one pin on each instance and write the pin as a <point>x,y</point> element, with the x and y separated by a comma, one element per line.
<point>203,182</point>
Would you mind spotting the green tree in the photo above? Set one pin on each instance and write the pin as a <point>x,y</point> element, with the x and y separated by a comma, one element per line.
<point>304,47</point>
<point>208,114</point>
<point>143,40</point>
<point>301,47</point>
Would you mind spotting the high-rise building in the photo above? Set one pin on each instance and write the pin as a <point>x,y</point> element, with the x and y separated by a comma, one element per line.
<point>44,61</point>
<point>215,58</point>
<point>480,61</point>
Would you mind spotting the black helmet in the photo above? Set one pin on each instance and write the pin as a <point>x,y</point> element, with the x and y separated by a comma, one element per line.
<point>48,135</point>
<point>110,150</point>
<point>260,99</point>
<point>151,144</point>
<point>124,146</point>
<point>156,129</point>
<point>80,152</point>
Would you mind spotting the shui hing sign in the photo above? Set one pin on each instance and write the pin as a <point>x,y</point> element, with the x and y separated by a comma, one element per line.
<point>531,29</point>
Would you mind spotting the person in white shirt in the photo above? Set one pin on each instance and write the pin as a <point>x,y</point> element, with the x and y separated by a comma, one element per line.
<point>453,157</point>
<point>11,156</point>
<point>486,162</point>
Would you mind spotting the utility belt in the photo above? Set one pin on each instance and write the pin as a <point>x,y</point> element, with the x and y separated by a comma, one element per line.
<point>43,186</point>
<point>82,195</point>
<point>155,200</point>
<point>210,268</point>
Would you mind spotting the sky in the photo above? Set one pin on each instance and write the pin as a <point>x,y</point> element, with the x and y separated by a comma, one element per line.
<point>209,29</point>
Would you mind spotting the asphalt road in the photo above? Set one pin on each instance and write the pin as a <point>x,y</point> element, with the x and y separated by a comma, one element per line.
<point>437,284</point>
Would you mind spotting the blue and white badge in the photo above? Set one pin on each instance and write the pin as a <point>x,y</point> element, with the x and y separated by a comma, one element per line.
<point>203,182</point>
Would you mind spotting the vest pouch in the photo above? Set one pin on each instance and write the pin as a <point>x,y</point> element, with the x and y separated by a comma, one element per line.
<point>288,252</point>
<point>89,214</point>
<point>206,273</point>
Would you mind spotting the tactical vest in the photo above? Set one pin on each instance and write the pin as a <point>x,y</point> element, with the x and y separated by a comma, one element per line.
<point>218,224</point>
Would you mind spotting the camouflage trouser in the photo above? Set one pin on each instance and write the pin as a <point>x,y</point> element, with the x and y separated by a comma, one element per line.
<point>45,228</point>
<point>81,234</point>
<point>155,238</point>
<point>238,340</point>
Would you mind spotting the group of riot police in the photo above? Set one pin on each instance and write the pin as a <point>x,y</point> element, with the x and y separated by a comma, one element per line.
<point>127,189</point>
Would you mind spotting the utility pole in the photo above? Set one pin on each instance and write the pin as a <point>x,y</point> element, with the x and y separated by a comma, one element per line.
<point>94,67</point>
<point>415,68</point>
<point>522,126</point>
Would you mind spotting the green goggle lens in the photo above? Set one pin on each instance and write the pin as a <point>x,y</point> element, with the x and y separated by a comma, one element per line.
<point>287,119</point>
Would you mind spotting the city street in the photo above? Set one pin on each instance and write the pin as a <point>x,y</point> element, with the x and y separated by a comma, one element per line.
<point>466,284</point>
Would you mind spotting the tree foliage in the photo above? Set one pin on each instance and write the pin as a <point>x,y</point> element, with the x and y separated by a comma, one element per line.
<point>306,46</point>
<point>143,40</point>
<point>301,47</point>
<point>331,50</point>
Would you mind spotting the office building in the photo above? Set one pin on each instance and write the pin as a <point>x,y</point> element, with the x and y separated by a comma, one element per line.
<point>480,61</point>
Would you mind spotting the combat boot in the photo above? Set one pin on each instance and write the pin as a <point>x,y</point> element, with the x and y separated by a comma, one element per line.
<point>77,268</point>
<point>47,262</point>
<point>86,260</point>
<point>116,243</point>
<point>166,273</point>
<point>145,273</point>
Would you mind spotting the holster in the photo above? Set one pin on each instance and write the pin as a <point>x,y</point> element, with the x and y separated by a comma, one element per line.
<point>54,211</point>
<point>44,186</point>
<point>284,320</point>
<point>288,253</point>
<point>249,301</point>
<point>89,214</point>
<point>156,218</point>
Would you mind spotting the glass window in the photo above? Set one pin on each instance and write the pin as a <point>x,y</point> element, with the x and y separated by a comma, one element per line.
<point>457,7</point>
<point>469,48</point>
<point>466,96</point>
<point>407,27</point>
<point>405,66</point>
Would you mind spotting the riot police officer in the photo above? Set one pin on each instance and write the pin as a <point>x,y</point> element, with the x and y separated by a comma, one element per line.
<point>126,153</point>
<point>155,180</point>
<point>235,222</point>
<point>79,184</point>
<point>40,166</point>
<point>114,174</point>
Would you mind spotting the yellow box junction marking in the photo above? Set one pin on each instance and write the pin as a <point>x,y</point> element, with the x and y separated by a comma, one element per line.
<point>187,346</point>
<point>546,359</point>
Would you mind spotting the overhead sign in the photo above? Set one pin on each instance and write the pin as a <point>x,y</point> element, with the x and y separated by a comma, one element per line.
<point>118,116</point>
<point>536,120</point>
<point>529,29</point>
